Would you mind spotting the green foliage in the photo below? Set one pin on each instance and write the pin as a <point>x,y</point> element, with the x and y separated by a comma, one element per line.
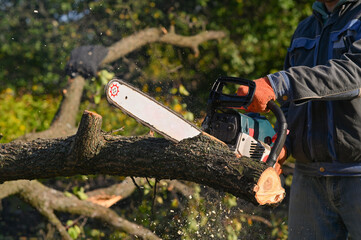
<point>73,230</point>
<point>95,89</point>
<point>97,234</point>
<point>79,192</point>
<point>280,228</point>
<point>20,115</point>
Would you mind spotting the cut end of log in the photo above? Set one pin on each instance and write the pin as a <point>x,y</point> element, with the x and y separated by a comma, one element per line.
<point>92,114</point>
<point>269,189</point>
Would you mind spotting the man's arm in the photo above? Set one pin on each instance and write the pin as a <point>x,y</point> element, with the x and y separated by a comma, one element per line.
<point>340,79</point>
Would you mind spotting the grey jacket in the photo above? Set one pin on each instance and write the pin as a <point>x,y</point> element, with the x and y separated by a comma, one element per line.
<point>319,90</point>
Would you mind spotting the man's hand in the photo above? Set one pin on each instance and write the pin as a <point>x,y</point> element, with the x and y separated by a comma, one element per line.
<point>85,61</point>
<point>263,94</point>
<point>280,160</point>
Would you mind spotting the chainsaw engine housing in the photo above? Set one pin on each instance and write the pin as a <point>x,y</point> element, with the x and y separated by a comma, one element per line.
<point>247,134</point>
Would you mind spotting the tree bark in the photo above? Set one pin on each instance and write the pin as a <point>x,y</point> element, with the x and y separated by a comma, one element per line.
<point>90,151</point>
<point>151,35</point>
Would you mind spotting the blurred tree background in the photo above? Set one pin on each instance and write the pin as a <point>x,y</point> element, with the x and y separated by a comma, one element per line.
<point>36,40</point>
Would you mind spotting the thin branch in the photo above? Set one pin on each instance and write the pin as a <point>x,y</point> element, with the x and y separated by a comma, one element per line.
<point>179,187</point>
<point>55,221</point>
<point>48,200</point>
<point>257,219</point>
<point>123,189</point>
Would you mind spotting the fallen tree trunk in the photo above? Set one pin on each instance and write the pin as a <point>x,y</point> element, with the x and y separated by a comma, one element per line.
<point>90,151</point>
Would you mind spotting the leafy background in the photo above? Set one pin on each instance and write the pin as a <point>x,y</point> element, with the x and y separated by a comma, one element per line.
<point>36,40</point>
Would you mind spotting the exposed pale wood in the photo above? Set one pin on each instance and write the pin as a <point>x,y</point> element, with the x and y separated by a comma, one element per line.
<point>105,200</point>
<point>269,189</point>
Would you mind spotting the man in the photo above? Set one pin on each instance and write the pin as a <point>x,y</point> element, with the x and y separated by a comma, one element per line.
<point>320,93</point>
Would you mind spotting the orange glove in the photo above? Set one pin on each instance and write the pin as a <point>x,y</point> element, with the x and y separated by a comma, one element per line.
<point>262,95</point>
<point>280,160</point>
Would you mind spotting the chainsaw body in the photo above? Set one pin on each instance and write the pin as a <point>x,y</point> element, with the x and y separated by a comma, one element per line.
<point>246,134</point>
<point>251,134</point>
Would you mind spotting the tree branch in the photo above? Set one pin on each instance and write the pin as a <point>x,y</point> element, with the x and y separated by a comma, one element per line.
<point>123,189</point>
<point>53,219</point>
<point>200,159</point>
<point>48,200</point>
<point>180,187</point>
<point>111,195</point>
<point>151,35</point>
<point>87,137</point>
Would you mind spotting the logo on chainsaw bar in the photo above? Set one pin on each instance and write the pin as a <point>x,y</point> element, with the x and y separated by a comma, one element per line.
<point>114,90</point>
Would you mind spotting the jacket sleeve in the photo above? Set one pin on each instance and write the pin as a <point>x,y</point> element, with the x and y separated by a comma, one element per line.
<point>338,79</point>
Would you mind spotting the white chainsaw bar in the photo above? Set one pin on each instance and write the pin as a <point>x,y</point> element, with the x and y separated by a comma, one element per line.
<point>149,112</point>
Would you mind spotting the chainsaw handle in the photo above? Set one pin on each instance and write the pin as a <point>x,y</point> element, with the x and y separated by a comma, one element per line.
<point>219,99</point>
<point>281,133</point>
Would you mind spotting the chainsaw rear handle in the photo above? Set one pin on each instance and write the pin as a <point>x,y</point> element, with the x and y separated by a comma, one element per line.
<point>281,133</point>
<point>218,99</point>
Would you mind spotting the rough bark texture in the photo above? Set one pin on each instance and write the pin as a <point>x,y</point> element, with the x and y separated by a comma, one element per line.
<point>200,159</point>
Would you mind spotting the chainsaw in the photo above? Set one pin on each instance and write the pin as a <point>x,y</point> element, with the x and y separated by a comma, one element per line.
<point>250,135</point>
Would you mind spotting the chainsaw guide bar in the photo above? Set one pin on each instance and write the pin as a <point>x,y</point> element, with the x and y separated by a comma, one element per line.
<point>147,111</point>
